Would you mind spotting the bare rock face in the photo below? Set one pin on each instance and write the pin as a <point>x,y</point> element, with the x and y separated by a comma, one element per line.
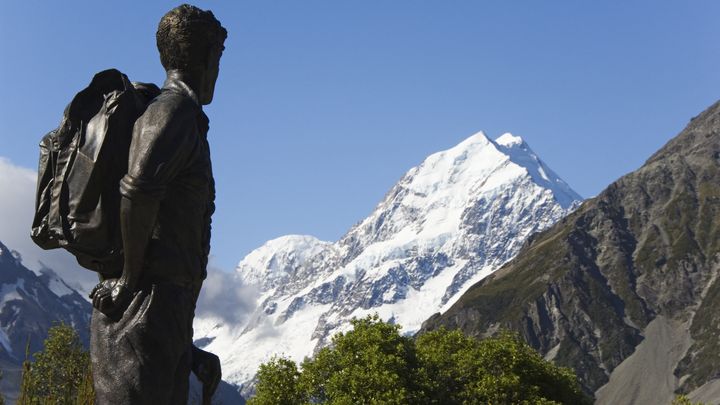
<point>584,291</point>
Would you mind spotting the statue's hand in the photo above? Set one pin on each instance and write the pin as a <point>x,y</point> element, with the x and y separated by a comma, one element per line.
<point>206,367</point>
<point>111,297</point>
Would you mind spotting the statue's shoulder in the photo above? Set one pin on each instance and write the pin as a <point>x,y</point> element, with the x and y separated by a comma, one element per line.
<point>170,101</point>
<point>167,109</point>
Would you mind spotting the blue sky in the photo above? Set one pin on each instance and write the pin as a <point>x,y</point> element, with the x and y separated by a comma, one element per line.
<point>322,106</point>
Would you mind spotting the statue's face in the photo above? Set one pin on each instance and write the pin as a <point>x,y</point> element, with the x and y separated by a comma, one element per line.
<point>211,74</point>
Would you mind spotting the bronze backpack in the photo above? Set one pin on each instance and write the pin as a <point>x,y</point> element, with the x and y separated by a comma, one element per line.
<point>77,204</point>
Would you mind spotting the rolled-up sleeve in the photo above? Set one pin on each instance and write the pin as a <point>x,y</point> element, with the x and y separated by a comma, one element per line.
<point>162,144</point>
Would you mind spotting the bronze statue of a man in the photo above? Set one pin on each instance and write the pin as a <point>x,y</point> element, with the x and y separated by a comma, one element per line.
<point>141,338</point>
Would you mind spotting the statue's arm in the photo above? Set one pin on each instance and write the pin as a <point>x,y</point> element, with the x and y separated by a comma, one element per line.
<point>162,143</point>
<point>137,219</point>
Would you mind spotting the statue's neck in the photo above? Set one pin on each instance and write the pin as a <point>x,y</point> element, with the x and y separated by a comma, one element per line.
<point>192,80</point>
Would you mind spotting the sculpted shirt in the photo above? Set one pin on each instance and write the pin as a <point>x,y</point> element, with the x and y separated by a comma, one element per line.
<point>170,162</point>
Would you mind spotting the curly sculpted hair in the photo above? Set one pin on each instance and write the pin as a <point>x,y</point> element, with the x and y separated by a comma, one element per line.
<point>186,34</point>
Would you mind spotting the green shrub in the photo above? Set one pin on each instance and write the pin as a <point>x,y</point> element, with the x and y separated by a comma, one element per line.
<point>374,364</point>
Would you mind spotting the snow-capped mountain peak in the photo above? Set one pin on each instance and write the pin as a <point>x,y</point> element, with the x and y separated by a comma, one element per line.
<point>277,260</point>
<point>509,140</point>
<point>455,168</point>
<point>519,152</point>
<point>449,222</point>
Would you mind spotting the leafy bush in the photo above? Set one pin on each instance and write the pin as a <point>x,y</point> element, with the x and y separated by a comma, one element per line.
<point>278,383</point>
<point>375,364</point>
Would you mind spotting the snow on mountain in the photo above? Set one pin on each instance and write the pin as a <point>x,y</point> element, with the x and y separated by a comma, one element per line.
<point>272,264</point>
<point>445,225</point>
<point>56,284</point>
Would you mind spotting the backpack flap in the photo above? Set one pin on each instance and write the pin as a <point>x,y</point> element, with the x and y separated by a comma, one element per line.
<point>93,217</point>
<point>40,231</point>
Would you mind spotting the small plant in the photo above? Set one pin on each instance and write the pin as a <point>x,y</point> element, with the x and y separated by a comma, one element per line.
<point>683,400</point>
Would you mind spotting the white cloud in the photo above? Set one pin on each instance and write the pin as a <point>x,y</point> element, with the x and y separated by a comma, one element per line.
<point>17,206</point>
<point>224,296</point>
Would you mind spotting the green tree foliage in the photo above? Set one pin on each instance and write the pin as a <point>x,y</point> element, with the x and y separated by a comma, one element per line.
<point>500,370</point>
<point>372,363</point>
<point>278,383</point>
<point>60,373</point>
<point>375,364</point>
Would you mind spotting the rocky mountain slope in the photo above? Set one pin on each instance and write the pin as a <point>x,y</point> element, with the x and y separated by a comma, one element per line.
<point>29,306</point>
<point>625,290</point>
<point>447,223</point>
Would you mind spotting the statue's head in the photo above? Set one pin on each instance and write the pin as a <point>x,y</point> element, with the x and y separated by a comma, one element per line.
<point>191,40</point>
